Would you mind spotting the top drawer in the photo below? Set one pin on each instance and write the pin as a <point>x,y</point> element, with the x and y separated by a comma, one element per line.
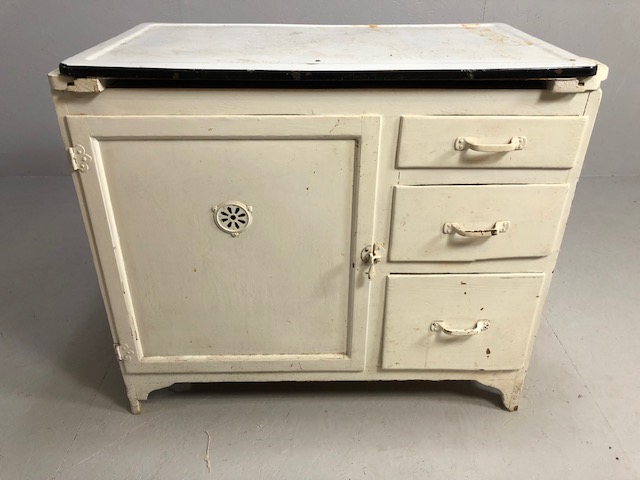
<point>488,142</point>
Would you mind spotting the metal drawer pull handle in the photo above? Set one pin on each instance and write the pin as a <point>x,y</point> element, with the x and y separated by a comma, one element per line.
<point>481,326</point>
<point>516,143</point>
<point>499,227</point>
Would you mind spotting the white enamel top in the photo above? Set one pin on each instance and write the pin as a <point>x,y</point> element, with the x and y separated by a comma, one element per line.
<point>326,48</point>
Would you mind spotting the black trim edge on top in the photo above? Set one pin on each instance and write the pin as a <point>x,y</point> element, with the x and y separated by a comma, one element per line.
<point>326,78</point>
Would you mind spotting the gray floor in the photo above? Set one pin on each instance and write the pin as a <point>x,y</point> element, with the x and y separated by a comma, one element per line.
<point>62,402</point>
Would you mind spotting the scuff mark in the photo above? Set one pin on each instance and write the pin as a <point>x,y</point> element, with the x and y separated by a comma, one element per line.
<point>82,420</point>
<point>116,441</point>
<point>207,459</point>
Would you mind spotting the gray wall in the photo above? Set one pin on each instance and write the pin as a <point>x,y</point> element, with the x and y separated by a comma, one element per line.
<point>36,35</point>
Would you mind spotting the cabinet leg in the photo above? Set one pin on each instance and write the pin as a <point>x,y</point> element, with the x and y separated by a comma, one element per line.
<point>510,400</point>
<point>511,395</point>
<point>134,396</point>
<point>510,390</point>
<point>138,389</point>
<point>135,406</point>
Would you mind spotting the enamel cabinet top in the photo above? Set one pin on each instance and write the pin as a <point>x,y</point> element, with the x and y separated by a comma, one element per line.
<point>231,52</point>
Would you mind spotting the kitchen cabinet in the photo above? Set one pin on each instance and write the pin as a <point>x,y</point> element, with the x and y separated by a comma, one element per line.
<point>299,202</point>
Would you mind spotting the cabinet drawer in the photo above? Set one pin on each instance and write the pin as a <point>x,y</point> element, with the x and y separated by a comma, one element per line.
<point>507,305</point>
<point>430,142</point>
<point>531,215</point>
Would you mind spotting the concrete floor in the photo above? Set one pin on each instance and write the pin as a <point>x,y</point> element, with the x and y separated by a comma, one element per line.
<point>63,408</point>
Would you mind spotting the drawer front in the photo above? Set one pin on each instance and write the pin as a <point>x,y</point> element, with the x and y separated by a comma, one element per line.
<point>431,142</point>
<point>502,307</point>
<point>530,214</point>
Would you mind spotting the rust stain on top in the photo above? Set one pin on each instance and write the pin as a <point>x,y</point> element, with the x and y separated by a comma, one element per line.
<point>494,36</point>
<point>373,25</point>
<point>487,33</point>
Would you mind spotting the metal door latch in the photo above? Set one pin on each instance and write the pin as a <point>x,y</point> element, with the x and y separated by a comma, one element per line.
<point>372,254</point>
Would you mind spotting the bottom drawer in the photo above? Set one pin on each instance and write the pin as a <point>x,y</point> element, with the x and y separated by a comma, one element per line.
<point>459,322</point>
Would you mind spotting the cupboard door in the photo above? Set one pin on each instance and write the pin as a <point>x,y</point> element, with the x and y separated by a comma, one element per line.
<point>231,243</point>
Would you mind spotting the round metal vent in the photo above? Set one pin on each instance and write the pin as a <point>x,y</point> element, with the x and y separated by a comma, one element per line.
<point>232,217</point>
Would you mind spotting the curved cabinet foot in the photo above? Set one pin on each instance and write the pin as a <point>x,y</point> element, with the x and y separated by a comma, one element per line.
<point>135,407</point>
<point>510,390</point>
<point>510,401</point>
<point>138,389</point>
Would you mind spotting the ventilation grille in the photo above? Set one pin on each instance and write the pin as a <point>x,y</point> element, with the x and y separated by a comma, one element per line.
<point>232,217</point>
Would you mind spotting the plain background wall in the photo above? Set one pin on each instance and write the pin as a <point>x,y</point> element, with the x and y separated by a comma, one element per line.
<point>36,35</point>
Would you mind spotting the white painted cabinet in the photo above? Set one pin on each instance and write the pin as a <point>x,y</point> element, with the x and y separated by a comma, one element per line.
<point>313,214</point>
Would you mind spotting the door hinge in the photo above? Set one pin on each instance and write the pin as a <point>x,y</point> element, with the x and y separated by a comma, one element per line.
<point>123,352</point>
<point>80,159</point>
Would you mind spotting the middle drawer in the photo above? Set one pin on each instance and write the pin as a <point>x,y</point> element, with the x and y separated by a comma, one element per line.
<point>475,222</point>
